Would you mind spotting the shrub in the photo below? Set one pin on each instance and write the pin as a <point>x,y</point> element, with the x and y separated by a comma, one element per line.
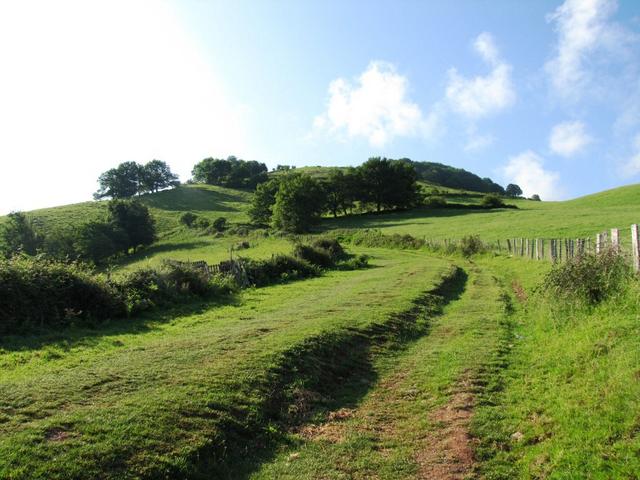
<point>355,263</point>
<point>314,255</point>
<point>492,200</point>
<point>220,224</point>
<point>188,219</point>
<point>435,201</point>
<point>243,245</point>
<point>332,246</point>
<point>374,238</point>
<point>36,292</point>
<point>276,269</point>
<point>202,223</point>
<point>470,245</point>
<point>588,278</point>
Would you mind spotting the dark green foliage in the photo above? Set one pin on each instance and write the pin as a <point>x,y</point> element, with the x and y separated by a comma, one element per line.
<point>134,219</point>
<point>220,224</point>
<point>471,245</point>
<point>299,202</point>
<point>202,223</point>
<point>332,246</point>
<point>263,200</point>
<point>375,238</point>
<point>156,175</point>
<point>435,201</point>
<point>454,177</point>
<point>232,172</point>
<point>535,197</point>
<point>19,234</point>
<point>36,292</point>
<point>98,241</point>
<point>588,278</point>
<point>387,183</point>
<point>131,178</point>
<point>277,269</point>
<point>314,255</point>
<point>492,201</point>
<point>188,219</point>
<point>340,189</point>
<point>513,190</point>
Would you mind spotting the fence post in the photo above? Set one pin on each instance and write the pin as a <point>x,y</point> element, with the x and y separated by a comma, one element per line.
<point>615,239</point>
<point>635,246</point>
<point>598,243</point>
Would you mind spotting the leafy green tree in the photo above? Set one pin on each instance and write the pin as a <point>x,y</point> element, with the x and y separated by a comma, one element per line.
<point>133,218</point>
<point>124,181</point>
<point>188,219</point>
<point>220,224</point>
<point>98,241</point>
<point>230,172</point>
<point>513,190</point>
<point>299,203</point>
<point>492,200</point>
<point>156,175</point>
<point>388,183</point>
<point>263,200</point>
<point>535,197</point>
<point>19,234</point>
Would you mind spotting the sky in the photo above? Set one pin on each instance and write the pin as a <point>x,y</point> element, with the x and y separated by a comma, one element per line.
<point>545,94</point>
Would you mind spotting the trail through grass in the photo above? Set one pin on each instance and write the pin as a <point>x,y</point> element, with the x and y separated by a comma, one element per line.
<point>400,430</point>
<point>164,398</point>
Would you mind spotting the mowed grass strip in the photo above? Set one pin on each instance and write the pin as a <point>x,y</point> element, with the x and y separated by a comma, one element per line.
<point>388,435</point>
<point>149,401</point>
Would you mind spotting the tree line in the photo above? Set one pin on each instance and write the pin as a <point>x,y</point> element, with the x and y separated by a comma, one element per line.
<point>294,202</point>
<point>128,226</point>
<point>230,172</point>
<point>130,178</point>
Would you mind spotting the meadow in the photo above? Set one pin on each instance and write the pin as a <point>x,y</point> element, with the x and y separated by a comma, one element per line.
<point>423,365</point>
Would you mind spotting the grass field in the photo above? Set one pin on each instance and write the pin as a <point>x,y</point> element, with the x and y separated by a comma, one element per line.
<point>148,396</point>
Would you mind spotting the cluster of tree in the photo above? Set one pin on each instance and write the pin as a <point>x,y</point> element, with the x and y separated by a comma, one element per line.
<point>128,226</point>
<point>131,178</point>
<point>232,172</point>
<point>191,220</point>
<point>513,190</point>
<point>452,177</point>
<point>294,202</point>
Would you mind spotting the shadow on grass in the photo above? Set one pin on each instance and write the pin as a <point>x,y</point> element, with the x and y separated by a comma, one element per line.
<point>185,198</point>
<point>324,373</point>
<point>88,336</point>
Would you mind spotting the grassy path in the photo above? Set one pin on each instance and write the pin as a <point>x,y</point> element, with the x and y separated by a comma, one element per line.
<point>414,422</point>
<point>165,398</point>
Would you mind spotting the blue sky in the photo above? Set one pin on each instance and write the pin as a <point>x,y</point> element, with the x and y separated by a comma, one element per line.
<point>545,94</point>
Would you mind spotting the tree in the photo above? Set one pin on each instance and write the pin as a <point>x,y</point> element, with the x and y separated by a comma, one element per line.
<point>232,172</point>
<point>132,217</point>
<point>124,181</point>
<point>19,234</point>
<point>299,202</point>
<point>513,190</point>
<point>388,183</point>
<point>98,241</point>
<point>491,200</point>
<point>263,200</point>
<point>535,197</point>
<point>156,175</point>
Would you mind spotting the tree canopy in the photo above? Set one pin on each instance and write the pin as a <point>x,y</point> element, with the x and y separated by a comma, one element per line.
<point>230,172</point>
<point>131,178</point>
<point>299,203</point>
<point>513,190</point>
<point>452,177</point>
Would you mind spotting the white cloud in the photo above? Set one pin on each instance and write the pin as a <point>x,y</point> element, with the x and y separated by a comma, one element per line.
<point>583,28</point>
<point>482,96</point>
<point>569,138</point>
<point>91,84</point>
<point>376,106</point>
<point>631,167</point>
<point>476,141</point>
<point>527,171</point>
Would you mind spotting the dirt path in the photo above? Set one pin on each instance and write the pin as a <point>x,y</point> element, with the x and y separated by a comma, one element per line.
<point>415,422</point>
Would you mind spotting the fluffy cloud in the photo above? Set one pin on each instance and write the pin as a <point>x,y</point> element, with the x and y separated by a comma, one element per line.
<point>568,138</point>
<point>631,167</point>
<point>527,171</point>
<point>482,96</point>
<point>477,141</point>
<point>583,28</point>
<point>375,106</point>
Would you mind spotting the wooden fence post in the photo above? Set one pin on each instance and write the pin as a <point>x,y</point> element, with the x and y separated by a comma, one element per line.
<point>599,245</point>
<point>615,239</point>
<point>635,246</point>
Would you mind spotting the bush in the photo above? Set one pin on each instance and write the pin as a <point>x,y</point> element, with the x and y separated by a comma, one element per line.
<point>434,201</point>
<point>470,245</point>
<point>276,269</point>
<point>314,255</point>
<point>588,278</point>
<point>36,293</point>
<point>373,238</point>
<point>220,224</point>
<point>188,219</point>
<point>332,246</point>
<point>492,201</point>
<point>202,223</point>
<point>355,263</point>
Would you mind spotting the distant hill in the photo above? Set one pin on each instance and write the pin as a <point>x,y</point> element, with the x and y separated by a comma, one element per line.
<point>452,177</point>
